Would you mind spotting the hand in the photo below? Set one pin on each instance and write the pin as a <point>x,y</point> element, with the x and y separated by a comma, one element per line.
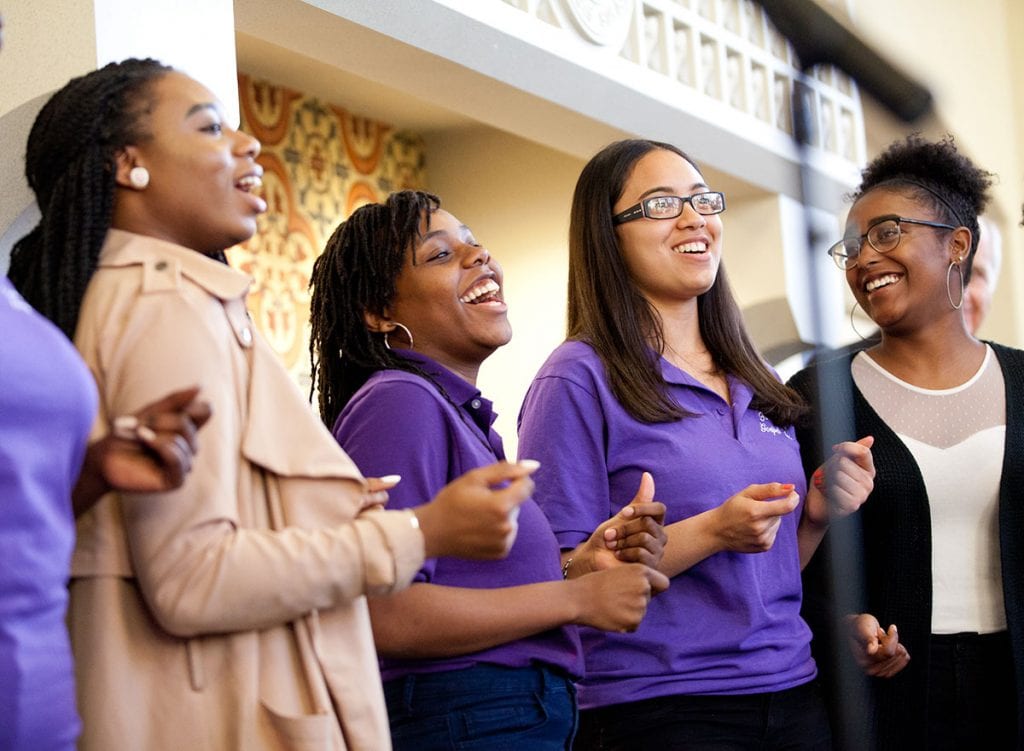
<point>634,535</point>
<point>147,452</point>
<point>376,495</point>
<point>878,652</point>
<point>749,521</point>
<point>475,516</point>
<point>842,484</point>
<point>616,599</point>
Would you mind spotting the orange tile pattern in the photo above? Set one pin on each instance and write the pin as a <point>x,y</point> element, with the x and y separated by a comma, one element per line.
<point>320,162</point>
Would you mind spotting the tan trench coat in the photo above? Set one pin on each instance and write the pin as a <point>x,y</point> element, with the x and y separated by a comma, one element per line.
<point>230,613</point>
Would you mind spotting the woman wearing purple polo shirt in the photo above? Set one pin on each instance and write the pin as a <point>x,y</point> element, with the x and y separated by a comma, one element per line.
<point>406,307</point>
<point>658,375</point>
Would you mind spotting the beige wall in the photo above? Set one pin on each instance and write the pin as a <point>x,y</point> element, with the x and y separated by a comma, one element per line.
<point>969,54</point>
<point>515,196</point>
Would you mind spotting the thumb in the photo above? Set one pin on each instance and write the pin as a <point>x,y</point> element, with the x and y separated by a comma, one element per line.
<point>644,493</point>
<point>867,441</point>
<point>174,401</point>
<point>501,472</point>
<point>768,490</point>
<point>779,507</point>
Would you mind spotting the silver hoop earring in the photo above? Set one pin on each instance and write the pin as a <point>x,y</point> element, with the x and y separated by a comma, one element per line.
<point>138,177</point>
<point>949,292</point>
<point>405,329</point>
<point>854,325</point>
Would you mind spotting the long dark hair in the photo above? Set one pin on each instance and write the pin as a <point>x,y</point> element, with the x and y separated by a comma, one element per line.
<point>70,164</point>
<point>608,311</point>
<point>356,274</point>
<point>937,174</point>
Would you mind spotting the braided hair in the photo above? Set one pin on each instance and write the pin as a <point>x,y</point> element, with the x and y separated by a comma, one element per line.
<point>935,173</point>
<point>355,275</point>
<point>70,164</point>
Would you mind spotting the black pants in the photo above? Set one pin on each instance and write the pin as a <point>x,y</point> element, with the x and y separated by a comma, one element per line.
<point>972,697</point>
<point>792,719</point>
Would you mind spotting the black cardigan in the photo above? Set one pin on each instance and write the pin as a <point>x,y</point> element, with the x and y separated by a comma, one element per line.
<point>893,532</point>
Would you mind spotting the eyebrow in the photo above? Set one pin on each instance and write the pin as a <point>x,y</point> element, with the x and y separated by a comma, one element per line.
<point>200,107</point>
<point>666,189</point>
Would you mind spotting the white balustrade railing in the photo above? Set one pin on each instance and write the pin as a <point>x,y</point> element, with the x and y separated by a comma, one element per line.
<point>725,50</point>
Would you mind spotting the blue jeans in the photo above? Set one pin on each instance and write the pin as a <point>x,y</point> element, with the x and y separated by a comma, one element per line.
<point>486,707</point>
<point>791,719</point>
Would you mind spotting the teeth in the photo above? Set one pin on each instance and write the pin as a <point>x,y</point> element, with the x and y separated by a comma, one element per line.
<point>881,281</point>
<point>488,287</point>
<point>694,247</point>
<point>249,183</point>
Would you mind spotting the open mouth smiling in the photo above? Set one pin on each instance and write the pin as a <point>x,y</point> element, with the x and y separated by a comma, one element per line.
<point>486,290</point>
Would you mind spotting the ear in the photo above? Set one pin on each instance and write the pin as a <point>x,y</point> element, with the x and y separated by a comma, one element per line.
<point>960,245</point>
<point>379,323</point>
<point>126,159</point>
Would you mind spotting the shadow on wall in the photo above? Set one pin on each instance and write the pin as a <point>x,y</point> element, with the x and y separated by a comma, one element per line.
<point>773,330</point>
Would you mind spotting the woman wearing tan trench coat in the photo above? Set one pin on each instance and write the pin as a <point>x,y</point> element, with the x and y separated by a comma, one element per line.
<point>231,612</point>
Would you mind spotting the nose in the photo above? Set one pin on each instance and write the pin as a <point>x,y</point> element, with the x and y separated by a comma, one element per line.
<point>478,256</point>
<point>690,217</point>
<point>246,145</point>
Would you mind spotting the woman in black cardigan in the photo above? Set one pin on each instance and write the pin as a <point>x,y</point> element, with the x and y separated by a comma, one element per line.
<point>941,538</point>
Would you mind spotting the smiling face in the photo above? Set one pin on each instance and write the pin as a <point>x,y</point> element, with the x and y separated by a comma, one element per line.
<point>202,172</point>
<point>671,261</point>
<point>449,294</point>
<point>904,290</point>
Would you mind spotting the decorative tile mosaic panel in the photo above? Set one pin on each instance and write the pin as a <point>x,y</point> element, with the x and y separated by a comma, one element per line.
<point>320,163</point>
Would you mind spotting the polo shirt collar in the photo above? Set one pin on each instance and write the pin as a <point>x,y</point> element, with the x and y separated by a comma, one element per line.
<point>740,392</point>
<point>464,394</point>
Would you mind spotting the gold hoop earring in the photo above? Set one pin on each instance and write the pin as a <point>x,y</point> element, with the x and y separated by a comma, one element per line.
<point>405,329</point>
<point>949,292</point>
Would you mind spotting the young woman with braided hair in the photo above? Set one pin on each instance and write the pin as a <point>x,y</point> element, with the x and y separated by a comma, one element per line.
<point>941,536</point>
<point>406,307</point>
<point>50,473</point>
<point>231,612</point>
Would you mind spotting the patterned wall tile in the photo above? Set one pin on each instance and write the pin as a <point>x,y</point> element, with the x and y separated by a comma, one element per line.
<point>320,162</point>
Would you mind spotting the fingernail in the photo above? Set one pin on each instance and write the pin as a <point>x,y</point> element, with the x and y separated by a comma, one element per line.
<point>787,486</point>
<point>145,434</point>
<point>530,464</point>
<point>391,479</point>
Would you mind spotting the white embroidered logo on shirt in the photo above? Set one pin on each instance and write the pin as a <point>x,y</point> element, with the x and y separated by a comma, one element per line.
<point>768,427</point>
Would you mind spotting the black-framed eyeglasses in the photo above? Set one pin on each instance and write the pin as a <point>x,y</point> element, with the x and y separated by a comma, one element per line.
<point>669,207</point>
<point>884,235</point>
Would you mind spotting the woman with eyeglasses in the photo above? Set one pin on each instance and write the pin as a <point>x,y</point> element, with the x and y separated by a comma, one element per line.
<point>657,374</point>
<point>406,307</point>
<point>942,534</point>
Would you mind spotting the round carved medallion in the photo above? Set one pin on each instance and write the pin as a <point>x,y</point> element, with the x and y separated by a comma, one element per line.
<point>604,22</point>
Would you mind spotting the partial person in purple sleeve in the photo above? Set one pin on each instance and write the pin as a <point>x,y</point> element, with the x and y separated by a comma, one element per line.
<point>406,307</point>
<point>658,375</point>
<point>51,473</point>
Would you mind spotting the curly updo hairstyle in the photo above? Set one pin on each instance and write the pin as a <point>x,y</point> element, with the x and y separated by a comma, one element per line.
<point>70,163</point>
<point>935,173</point>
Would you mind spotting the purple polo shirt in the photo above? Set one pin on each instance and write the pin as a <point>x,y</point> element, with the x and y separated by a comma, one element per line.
<point>401,423</point>
<point>47,404</point>
<point>730,624</point>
